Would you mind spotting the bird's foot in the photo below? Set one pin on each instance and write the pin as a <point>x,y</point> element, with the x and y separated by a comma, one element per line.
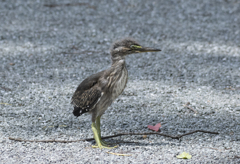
<point>97,136</point>
<point>103,145</point>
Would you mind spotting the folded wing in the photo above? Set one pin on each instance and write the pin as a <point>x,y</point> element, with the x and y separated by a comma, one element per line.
<point>87,95</point>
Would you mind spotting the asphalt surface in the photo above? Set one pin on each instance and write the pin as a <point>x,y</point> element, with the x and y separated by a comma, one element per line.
<point>48,47</point>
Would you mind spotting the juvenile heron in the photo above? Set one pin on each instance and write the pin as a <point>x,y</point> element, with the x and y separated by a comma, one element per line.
<point>97,92</point>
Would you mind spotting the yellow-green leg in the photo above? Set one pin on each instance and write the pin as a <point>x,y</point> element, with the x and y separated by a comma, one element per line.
<point>98,124</point>
<point>97,136</point>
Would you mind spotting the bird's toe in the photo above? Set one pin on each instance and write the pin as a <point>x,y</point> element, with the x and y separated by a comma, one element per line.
<point>104,145</point>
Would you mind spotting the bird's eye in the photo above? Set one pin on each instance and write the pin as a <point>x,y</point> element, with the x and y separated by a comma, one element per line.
<point>135,47</point>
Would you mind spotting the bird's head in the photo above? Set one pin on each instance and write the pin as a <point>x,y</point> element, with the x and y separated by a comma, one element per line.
<point>128,46</point>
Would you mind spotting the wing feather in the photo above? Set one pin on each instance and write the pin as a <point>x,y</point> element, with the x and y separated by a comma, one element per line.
<point>87,95</point>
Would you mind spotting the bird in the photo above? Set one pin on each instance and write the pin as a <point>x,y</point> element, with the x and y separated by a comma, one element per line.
<point>98,91</point>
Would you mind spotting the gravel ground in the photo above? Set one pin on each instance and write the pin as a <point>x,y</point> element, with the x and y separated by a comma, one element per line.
<point>47,50</point>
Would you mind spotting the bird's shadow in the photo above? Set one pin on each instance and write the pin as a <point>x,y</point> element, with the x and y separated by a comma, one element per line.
<point>145,142</point>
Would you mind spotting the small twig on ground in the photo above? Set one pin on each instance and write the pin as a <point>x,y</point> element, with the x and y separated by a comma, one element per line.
<point>6,89</point>
<point>187,105</point>
<point>53,140</point>
<point>213,148</point>
<point>161,134</point>
<point>116,135</point>
<point>125,142</point>
<point>228,148</point>
<point>119,154</point>
<point>70,4</point>
<point>2,103</point>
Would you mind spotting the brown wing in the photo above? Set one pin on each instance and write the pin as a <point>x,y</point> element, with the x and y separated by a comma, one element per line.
<point>87,95</point>
<point>86,101</point>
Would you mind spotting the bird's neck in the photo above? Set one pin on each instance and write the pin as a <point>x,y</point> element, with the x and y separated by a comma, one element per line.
<point>118,61</point>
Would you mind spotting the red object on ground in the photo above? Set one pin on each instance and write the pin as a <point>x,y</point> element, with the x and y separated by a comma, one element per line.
<point>155,128</point>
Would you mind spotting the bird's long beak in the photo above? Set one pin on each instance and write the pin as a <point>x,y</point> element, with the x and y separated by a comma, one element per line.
<point>147,49</point>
